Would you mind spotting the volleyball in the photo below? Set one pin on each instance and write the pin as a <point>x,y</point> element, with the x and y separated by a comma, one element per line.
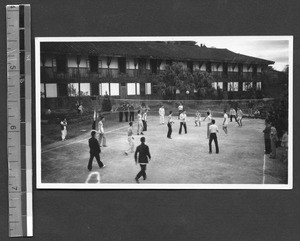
<point>187,92</point>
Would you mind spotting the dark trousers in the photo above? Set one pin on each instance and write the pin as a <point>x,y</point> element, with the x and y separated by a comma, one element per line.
<point>97,156</point>
<point>121,116</point>
<point>126,116</point>
<point>169,130</point>
<point>144,125</point>
<point>131,116</point>
<point>233,117</point>
<point>213,137</point>
<point>267,146</point>
<point>184,125</point>
<point>142,172</point>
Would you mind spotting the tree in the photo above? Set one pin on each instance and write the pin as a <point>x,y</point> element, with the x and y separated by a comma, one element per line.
<point>175,77</point>
<point>106,104</point>
<point>203,84</point>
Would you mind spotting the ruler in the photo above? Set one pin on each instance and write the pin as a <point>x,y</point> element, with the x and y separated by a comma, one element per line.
<point>19,123</point>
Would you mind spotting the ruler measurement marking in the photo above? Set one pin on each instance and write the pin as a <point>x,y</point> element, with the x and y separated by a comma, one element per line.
<point>18,47</point>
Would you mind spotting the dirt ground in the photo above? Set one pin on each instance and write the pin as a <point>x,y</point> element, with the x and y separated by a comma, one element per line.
<point>184,159</point>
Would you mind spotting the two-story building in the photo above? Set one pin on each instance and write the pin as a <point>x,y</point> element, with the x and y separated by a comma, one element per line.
<point>126,69</point>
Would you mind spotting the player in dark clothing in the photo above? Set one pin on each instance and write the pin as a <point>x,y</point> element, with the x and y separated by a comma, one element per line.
<point>94,151</point>
<point>143,159</point>
<point>131,112</point>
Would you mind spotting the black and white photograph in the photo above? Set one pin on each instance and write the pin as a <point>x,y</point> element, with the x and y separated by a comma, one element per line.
<point>187,112</point>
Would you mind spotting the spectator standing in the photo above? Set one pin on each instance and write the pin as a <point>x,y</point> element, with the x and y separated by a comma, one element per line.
<point>63,128</point>
<point>126,111</point>
<point>250,108</point>
<point>267,138</point>
<point>131,112</point>
<point>121,110</point>
<point>142,156</point>
<point>274,139</point>
<point>213,129</point>
<point>284,144</point>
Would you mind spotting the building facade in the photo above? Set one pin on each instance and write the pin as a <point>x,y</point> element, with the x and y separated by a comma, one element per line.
<point>127,70</point>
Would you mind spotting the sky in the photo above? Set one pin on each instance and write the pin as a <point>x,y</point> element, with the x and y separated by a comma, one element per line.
<point>276,48</point>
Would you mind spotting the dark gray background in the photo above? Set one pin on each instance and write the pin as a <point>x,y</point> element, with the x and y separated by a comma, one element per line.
<point>159,214</point>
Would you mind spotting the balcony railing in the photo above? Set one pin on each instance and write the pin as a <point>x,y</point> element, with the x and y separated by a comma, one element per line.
<point>48,74</point>
<point>85,75</point>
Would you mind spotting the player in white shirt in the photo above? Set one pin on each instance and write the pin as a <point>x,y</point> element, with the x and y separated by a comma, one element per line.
<point>140,123</point>
<point>209,118</point>
<point>161,115</point>
<point>130,139</point>
<point>225,122</point>
<point>101,132</point>
<point>180,110</point>
<point>213,129</point>
<point>182,118</point>
<point>240,115</point>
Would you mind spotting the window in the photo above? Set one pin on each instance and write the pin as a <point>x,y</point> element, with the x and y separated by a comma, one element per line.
<point>133,89</point>
<point>220,85</point>
<point>130,88</point>
<point>258,85</point>
<point>99,64</point>
<point>104,87</point>
<point>85,89</point>
<point>73,89</point>
<point>148,89</point>
<point>233,86</point>
<point>214,85</point>
<point>114,89</point>
<point>51,90</point>
<point>247,86</point>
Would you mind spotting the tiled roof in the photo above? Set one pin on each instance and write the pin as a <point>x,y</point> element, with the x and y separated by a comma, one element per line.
<point>155,50</point>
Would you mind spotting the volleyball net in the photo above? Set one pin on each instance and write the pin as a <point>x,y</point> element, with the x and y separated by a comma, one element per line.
<point>217,107</point>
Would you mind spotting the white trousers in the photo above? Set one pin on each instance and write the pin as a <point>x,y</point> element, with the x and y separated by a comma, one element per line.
<point>131,144</point>
<point>63,134</point>
<point>161,119</point>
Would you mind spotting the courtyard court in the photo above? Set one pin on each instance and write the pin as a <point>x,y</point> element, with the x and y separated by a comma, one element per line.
<point>181,160</point>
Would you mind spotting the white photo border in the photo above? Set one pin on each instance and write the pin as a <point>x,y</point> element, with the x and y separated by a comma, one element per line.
<point>40,185</point>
